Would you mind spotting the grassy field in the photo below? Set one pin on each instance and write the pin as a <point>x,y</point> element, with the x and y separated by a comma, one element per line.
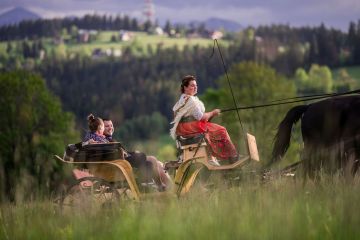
<point>139,40</point>
<point>282,209</point>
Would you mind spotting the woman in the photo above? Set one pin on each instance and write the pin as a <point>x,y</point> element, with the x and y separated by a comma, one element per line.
<point>190,118</point>
<point>96,127</point>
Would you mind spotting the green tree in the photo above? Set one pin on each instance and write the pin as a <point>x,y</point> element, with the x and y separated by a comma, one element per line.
<point>9,47</point>
<point>168,27</point>
<point>59,52</point>
<point>74,32</point>
<point>302,80</point>
<point>33,127</point>
<point>318,80</point>
<point>143,127</point>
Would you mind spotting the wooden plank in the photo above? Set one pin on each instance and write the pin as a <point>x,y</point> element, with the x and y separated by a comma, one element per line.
<point>253,150</point>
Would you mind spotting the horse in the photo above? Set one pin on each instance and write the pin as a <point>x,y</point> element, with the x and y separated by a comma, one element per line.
<point>331,135</point>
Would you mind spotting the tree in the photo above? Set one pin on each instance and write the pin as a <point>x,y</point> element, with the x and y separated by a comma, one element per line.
<point>143,127</point>
<point>147,26</point>
<point>321,78</point>
<point>9,47</point>
<point>318,80</point>
<point>168,27</point>
<point>74,32</point>
<point>33,127</point>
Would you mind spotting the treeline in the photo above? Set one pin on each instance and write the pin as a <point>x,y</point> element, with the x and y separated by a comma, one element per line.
<point>285,47</point>
<point>53,27</point>
<point>129,87</point>
<point>325,46</point>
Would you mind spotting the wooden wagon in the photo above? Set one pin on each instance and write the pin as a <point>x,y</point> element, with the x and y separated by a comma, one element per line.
<point>102,173</point>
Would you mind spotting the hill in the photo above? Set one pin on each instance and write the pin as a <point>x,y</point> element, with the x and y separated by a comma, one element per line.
<point>218,24</point>
<point>17,15</point>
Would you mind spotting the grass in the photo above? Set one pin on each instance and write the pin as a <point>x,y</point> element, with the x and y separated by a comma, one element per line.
<point>282,209</point>
<point>139,40</point>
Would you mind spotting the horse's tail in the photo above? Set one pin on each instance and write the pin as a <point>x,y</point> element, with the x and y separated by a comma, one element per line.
<point>282,137</point>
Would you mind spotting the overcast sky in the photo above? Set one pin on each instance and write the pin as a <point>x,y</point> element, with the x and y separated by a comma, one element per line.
<point>334,13</point>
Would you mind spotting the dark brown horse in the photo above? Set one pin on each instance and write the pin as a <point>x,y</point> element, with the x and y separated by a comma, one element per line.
<point>330,131</point>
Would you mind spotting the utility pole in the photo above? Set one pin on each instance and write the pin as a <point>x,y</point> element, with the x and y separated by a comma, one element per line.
<point>149,11</point>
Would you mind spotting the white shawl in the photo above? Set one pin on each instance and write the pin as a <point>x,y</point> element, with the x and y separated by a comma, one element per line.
<point>186,106</point>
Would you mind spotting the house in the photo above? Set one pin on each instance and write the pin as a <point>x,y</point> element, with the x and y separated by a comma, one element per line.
<point>216,35</point>
<point>85,36</point>
<point>99,53</point>
<point>57,40</point>
<point>125,36</point>
<point>159,31</point>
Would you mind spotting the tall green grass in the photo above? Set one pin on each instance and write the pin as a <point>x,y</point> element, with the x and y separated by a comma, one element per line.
<point>281,209</point>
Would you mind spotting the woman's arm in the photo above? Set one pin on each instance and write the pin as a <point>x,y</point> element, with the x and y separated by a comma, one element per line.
<point>208,115</point>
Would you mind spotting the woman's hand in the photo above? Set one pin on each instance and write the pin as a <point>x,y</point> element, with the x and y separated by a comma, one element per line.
<point>209,115</point>
<point>215,112</point>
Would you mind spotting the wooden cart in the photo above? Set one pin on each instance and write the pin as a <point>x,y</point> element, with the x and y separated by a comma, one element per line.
<point>103,176</point>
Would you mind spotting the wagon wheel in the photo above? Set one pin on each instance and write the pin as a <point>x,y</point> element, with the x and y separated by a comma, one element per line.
<point>89,193</point>
<point>208,180</point>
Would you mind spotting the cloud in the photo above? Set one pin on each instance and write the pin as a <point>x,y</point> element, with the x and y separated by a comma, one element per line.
<point>246,12</point>
<point>245,16</point>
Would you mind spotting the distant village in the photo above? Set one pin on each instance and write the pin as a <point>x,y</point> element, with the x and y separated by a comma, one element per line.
<point>87,36</point>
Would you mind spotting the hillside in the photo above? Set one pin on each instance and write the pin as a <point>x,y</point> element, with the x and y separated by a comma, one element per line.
<point>218,23</point>
<point>17,15</point>
<point>102,43</point>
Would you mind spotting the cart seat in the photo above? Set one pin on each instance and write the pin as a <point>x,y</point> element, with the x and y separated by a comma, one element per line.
<point>93,152</point>
<point>189,144</point>
<point>190,139</point>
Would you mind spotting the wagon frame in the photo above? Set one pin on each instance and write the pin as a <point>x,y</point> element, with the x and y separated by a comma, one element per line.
<point>112,179</point>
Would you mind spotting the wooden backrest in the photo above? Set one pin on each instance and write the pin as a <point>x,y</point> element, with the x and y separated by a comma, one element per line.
<point>194,150</point>
<point>252,147</point>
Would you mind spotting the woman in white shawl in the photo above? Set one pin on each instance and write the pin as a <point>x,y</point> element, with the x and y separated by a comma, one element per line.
<point>190,118</point>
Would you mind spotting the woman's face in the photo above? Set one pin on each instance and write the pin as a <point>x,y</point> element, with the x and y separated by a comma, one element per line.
<point>101,129</point>
<point>191,89</point>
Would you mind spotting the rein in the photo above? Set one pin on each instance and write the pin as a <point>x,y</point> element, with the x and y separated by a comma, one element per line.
<point>231,90</point>
<point>300,99</point>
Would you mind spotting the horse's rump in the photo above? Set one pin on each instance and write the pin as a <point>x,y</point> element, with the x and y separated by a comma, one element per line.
<point>331,133</point>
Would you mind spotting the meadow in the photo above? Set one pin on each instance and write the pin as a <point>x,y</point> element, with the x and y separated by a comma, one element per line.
<point>281,209</point>
<point>140,41</point>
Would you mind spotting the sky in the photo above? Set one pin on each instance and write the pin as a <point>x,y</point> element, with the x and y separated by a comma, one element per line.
<point>333,13</point>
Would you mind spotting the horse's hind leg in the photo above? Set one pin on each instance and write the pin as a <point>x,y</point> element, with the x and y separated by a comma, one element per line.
<point>308,161</point>
<point>356,164</point>
<point>351,159</point>
<point>355,167</point>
